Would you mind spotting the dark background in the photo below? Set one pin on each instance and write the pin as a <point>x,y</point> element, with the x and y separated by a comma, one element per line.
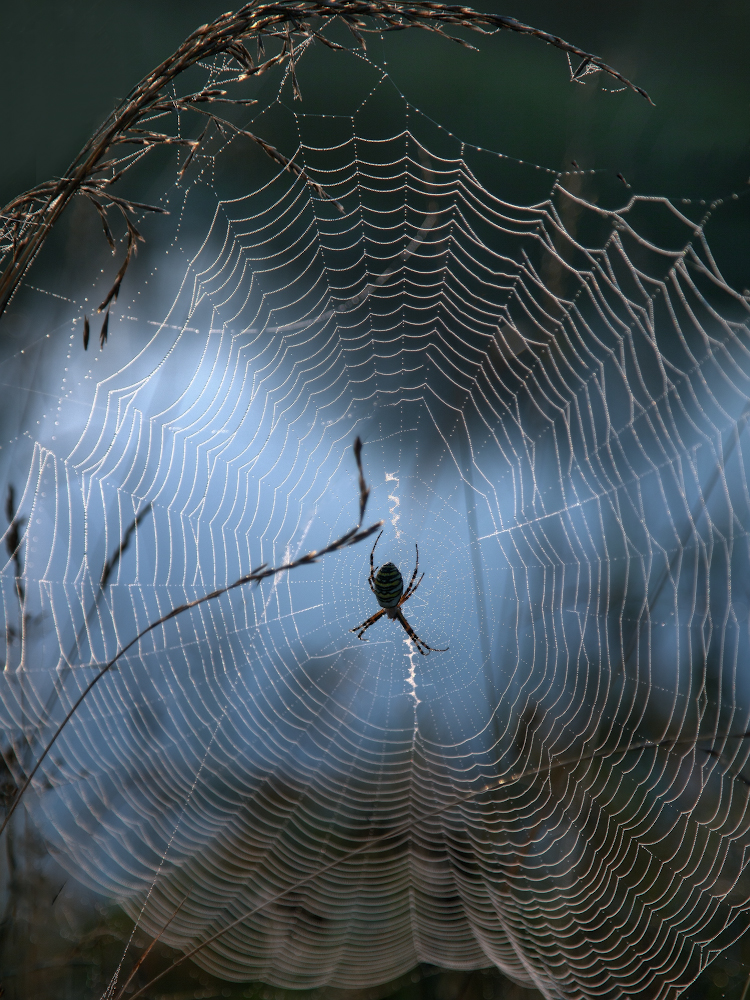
<point>66,64</point>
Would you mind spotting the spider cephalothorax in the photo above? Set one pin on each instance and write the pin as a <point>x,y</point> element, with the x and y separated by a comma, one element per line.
<point>387,585</point>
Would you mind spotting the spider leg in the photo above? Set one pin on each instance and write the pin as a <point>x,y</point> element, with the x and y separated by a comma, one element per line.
<point>361,629</point>
<point>415,638</point>
<point>371,577</point>
<point>410,590</point>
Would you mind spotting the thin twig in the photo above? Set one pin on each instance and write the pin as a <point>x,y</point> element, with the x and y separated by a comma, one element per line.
<point>124,543</point>
<point>351,537</point>
<point>14,541</point>
<point>148,950</point>
<point>364,489</point>
<point>109,566</point>
<point>26,220</point>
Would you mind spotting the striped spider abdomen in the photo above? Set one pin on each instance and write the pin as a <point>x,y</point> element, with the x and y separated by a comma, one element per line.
<point>388,586</point>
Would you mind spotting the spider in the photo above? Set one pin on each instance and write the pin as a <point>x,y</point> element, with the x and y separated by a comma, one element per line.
<point>388,587</point>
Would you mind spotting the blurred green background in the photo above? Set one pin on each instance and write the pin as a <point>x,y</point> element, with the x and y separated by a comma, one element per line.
<point>65,65</point>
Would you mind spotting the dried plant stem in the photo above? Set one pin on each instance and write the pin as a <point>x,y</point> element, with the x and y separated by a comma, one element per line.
<point>351,537</point>
<point>147,951</point>
<point>107,570</point>
<point>26,221</point>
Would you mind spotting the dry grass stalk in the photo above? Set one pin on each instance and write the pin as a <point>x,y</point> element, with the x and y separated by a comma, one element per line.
<point>262,572</point>
<point>27,219</point>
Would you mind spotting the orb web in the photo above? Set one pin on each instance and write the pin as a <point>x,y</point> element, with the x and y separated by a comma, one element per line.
<point>551,380</point>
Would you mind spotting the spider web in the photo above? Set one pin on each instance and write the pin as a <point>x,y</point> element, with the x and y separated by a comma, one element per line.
<point>552,381</point>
